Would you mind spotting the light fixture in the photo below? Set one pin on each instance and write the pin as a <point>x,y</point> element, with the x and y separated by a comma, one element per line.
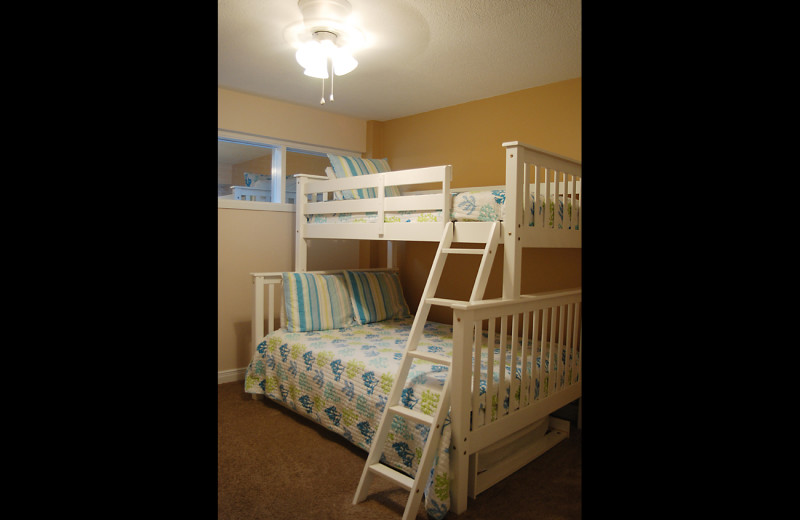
<point>327,38</point>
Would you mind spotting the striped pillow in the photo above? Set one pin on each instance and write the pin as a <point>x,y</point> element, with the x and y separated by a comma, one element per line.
<point>337,195</point>
<point>348,166</point>
<point>380,166</point>
<point>316,302</point>
<point>376,296</point>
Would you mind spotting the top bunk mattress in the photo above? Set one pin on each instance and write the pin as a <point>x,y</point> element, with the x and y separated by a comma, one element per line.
<point>466,206</point>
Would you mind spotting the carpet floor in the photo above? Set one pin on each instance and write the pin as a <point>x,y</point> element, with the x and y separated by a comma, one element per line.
<point>274,464</point>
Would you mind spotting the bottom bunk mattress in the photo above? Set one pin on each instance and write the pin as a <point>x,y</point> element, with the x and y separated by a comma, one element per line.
<point>341,379</point>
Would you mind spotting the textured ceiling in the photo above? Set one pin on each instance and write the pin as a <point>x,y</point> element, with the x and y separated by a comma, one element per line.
<point>421,54</point>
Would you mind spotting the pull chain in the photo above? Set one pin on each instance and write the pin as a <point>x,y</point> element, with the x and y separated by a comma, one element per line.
<point>331,80</point>
<point>322,98</point>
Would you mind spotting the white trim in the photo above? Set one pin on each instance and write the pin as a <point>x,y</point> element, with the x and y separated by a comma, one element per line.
<point>290,145</point>
<point>278,174</point>
<point>231,376</point>
<point>254,204</point>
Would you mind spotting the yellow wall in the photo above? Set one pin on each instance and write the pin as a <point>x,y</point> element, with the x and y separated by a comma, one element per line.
<point>246,243</point>
<point>259,241</point>
<point>468,136</point>
<point>264,117</point>
<point>263,241</point>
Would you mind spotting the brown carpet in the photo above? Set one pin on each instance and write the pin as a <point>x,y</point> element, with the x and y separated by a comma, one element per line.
<point>274,464</point>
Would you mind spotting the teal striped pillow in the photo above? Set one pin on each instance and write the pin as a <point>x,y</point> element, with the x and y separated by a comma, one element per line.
<point>316,302</point>
<point>348,166</point>
<point>376,296</point>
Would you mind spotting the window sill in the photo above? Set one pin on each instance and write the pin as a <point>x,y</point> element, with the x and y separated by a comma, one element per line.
<point>254,205</point>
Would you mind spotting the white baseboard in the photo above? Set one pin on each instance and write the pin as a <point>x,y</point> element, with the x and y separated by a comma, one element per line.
<point>230,376</point>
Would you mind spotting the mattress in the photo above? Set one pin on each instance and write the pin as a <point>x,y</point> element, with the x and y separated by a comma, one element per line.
<point>342,378</point>
<point>467,206</point>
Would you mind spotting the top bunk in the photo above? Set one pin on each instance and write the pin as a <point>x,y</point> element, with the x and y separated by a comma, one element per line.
<point>538,206</point>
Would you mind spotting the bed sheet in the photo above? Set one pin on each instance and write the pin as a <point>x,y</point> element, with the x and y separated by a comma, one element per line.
<point>342,378</point>
<point>467,206</point>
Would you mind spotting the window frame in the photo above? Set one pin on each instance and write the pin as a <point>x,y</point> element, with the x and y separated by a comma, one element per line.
<point>280,147</point>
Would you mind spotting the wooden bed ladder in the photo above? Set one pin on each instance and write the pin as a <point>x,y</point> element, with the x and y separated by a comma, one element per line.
<point>373,464</point>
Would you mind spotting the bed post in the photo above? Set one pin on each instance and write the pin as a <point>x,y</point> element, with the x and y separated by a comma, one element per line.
<point>512,249</point>
<point>391,254</point>
<point>257,322</point>
<point>463,327</point>
<point>300,244</point>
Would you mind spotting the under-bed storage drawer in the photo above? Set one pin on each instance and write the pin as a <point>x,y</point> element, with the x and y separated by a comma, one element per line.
<point>493,464</point>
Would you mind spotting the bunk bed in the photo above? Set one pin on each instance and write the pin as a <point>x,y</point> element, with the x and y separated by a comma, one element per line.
<point>503,366</point>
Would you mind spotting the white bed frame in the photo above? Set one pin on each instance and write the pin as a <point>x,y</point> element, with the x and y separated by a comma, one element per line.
<point>481,455</point>
<point>528,170</point>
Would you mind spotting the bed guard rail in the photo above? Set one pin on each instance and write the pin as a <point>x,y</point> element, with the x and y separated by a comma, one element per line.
<point>540,334</point>
<point>318,188</point>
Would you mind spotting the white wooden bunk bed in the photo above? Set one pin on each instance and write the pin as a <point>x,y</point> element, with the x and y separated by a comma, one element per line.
<point>450,422</point>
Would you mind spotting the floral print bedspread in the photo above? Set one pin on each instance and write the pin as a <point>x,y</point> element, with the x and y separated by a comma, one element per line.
<point>342,378</point>
<point>468,206</point>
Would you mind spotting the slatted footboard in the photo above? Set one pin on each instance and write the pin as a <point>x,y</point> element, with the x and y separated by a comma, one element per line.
<point>543,206</point>
<point>544,190</point>
<point>541,336</point>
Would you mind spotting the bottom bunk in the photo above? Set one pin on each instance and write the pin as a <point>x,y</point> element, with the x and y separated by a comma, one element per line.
<point>341,377</point>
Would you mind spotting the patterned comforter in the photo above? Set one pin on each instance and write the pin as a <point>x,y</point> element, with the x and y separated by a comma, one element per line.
<point>341,379</point>
<point>467,206</point>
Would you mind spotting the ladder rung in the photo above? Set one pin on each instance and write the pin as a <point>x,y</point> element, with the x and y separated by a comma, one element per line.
<point>462,251</point>
<point>419,417</point>
<point>445,302</point>
<point>430,356</point>
<point>393,475</point>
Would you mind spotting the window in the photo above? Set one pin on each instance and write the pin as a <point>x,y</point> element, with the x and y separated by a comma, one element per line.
<point>252,169</point>
<point>240,164</point>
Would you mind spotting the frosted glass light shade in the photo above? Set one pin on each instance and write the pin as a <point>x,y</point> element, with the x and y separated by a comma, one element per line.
<point>313,57</point>
<point>316,72</point>
<point>343,62</point>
